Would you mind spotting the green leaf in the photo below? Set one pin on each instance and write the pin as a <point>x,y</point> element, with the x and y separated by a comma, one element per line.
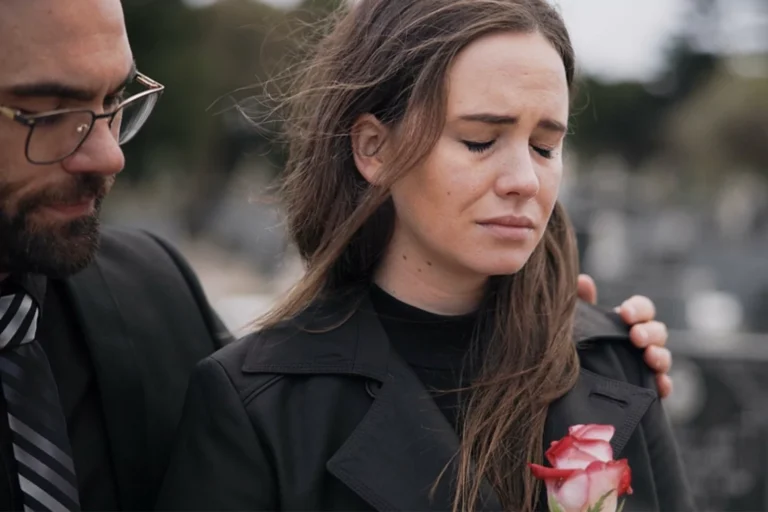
<point>554,506</point>
<point>598,507</point>
<point>621,505</point>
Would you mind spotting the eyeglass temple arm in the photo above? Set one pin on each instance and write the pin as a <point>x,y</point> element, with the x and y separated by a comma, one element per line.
<point>145,80</point>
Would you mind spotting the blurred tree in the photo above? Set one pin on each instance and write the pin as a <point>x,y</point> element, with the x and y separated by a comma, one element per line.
<point>242,39</point>
<point>722,127</point>
<point>165,36</point>
<point>210,59</point>
<point>627,118</point>
<point>615,118</point>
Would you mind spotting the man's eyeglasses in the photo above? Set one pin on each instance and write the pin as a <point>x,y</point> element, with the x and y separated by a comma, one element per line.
<point>57,135</point>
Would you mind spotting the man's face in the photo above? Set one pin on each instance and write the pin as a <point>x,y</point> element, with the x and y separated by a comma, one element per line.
<point>58,55</point>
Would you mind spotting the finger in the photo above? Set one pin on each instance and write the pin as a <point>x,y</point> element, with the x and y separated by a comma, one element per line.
<point>587,289</point>
<point>665,385</point>
<point>649,333</point>
<point>659,359</point>
<point>637,309</point>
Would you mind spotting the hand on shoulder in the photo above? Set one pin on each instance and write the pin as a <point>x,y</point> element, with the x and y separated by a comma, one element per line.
<point>639,312</point>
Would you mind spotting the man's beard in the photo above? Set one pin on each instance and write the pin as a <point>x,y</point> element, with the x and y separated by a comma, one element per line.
<point>55,250</point>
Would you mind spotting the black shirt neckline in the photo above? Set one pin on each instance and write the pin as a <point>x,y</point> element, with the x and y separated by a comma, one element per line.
<point>422,338</point>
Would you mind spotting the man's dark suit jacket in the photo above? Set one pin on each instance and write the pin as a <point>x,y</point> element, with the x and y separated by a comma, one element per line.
<point>146,324</point>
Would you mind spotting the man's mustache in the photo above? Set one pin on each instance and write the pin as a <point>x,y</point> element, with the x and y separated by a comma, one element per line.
<point>79,189</point>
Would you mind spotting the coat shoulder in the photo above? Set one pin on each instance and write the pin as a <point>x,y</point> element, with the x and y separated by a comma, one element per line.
<point>604,347</point>
<point>147,269</point>
<point>232,360</point>
<point>137,250</point>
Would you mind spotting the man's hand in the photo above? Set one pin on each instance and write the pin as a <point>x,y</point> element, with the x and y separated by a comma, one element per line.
<point>639,312</point>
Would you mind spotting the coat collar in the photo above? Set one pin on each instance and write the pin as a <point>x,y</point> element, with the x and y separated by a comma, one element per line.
<point>341,336</point>
<point>393,458</point>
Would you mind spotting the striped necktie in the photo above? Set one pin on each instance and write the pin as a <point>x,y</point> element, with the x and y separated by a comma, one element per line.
<point>45,470</point>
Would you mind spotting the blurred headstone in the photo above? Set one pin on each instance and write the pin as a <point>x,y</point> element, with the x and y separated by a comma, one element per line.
<point>719,415</point>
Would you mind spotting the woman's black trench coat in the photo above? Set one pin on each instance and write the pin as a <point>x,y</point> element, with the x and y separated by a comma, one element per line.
<point>293,420</point>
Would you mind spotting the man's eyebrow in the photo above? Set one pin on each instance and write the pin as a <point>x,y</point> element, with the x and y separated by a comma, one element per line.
<point>130,77</point>
<point>546,124</point>
<point>65,91</point>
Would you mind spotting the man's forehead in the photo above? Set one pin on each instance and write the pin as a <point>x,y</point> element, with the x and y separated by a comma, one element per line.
<point>51,40</point>
<point>32,17</point>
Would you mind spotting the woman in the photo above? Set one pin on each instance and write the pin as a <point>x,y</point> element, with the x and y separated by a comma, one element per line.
<point>430,352</point>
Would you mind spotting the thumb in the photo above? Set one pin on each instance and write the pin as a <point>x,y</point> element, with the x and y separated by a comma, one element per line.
<point>587,289</point>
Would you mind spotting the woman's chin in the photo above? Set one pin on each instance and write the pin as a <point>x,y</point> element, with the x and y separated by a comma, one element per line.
<point>502,267</point>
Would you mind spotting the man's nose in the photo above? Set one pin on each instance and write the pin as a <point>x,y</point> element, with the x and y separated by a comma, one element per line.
<point>99,154</point>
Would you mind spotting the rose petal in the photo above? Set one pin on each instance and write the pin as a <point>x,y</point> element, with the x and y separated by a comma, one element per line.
<point>574,458</point>
<point>600,450</point>
<point>572,494</point>
<point>570,453</point>
<point>546,474</point>
<point>603,477</point>
<point>619,472</point>
<point>557,448</point>
<point>592,431</point>
<point>625,482</point>
<point>574,430</point>
<point>612,477</point>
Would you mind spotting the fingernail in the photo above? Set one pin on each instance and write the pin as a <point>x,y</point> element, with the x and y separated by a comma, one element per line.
<point>642,333</point>
<point>629,310</point>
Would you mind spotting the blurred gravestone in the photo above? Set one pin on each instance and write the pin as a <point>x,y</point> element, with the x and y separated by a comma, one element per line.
<point>719,414</point>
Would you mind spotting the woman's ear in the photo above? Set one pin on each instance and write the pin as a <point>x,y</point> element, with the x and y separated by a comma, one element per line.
<point>369,137</point>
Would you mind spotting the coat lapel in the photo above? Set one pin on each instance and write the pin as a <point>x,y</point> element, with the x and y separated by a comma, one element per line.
<point>394,457</point>
<point>597,399</point>
<point>117,374</point>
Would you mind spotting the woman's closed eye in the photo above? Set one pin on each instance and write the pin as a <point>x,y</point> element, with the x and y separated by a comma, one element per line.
<point>478,147</point>
<point>481,147</point>
<point>546,153</point>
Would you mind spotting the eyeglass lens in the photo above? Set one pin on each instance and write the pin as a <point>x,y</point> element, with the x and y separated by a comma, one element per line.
<point>57,136</point>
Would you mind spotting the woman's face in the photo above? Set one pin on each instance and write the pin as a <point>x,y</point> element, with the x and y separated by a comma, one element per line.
<point>481,201</point>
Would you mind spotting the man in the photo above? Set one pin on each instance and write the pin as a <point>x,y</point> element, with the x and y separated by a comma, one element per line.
<point>98,331</point>
<point>121,332</point>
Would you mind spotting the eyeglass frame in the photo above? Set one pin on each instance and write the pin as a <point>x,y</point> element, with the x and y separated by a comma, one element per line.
<point>30,120</point>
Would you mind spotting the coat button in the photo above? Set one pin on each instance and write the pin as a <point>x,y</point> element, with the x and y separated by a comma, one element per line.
<point>372,387</point>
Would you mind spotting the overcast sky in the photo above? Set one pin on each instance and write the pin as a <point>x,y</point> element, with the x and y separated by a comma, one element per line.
<point>625,39</point>
<point>622,39</point>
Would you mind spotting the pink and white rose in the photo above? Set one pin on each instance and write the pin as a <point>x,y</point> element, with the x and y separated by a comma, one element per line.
<point>584,477</point>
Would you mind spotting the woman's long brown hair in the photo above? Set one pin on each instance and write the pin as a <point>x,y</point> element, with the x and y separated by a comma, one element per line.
<point>391,58</point>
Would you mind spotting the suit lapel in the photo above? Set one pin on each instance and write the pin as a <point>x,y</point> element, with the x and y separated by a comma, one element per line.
<point>117,374</point>
<point>394,457</point>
